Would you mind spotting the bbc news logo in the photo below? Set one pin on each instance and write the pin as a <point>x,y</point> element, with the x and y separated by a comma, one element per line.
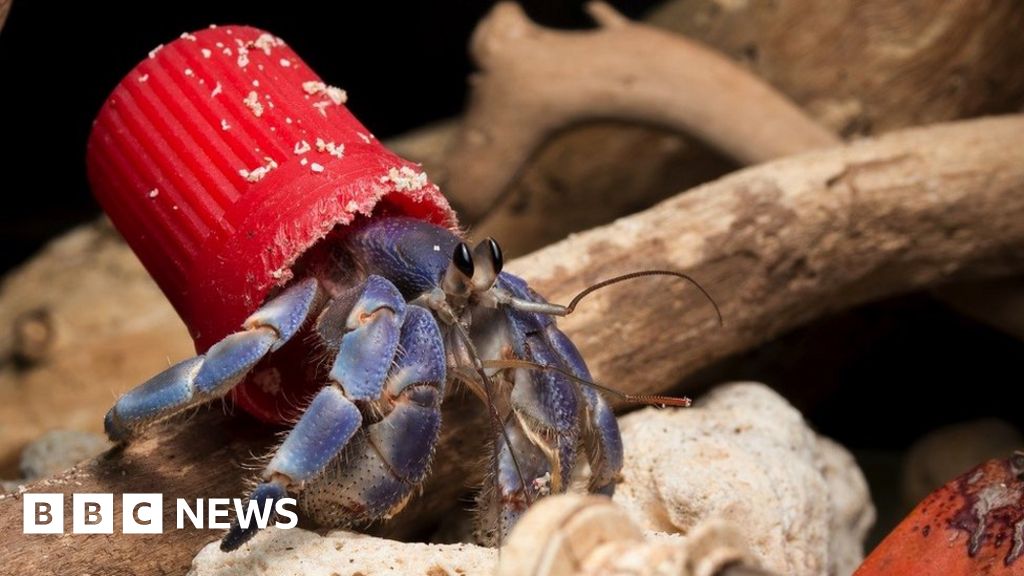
<point>144,513</point>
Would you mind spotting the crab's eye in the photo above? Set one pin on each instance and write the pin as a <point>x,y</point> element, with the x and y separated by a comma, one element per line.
<point>497,260</point>
<point>463,260</point>
<point>488,260</point>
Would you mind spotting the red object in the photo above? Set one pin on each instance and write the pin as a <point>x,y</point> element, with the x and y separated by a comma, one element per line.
<point>221,159</point>
<point>972,526</point>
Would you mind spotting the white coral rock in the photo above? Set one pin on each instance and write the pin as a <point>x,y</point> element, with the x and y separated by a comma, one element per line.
<point>746,456</point>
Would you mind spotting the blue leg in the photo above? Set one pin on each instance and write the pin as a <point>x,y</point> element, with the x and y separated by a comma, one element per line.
<point>547,406</point>
<point>371,323</point>
<point>390,458</point>
<point>506,499</point>
<point>324,429</point>
<point>212,375</point>
<point>545,401</point>
<point>601,430</point>
<point>363,327</point>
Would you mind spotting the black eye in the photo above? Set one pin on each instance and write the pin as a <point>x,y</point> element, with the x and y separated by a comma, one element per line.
<point>463,260</point>
<point>496,257</point>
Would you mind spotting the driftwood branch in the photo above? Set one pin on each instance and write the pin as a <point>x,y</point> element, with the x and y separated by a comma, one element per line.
<point>534,82</point>
<point>777,245</point>
<point>5,7</point>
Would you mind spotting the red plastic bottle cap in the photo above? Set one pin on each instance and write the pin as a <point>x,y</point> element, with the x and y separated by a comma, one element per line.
<point>223,157</point>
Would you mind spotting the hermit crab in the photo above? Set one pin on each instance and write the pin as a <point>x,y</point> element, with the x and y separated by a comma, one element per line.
<point>327,287</point>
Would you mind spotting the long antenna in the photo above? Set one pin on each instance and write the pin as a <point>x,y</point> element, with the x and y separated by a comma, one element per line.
<point>560,310</point>
<point>569,308</point>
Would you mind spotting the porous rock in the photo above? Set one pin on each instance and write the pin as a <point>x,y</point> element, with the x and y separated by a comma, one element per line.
<point>59,450</point>
<point>746,456</point>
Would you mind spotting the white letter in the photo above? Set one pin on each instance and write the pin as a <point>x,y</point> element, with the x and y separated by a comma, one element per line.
<point>184,509</point>
<point>142,513</point>
<point>42,513</point>
<point>92,513</point>
<point>218,509</point>
<point>252,508</point>
<point>282,512</point>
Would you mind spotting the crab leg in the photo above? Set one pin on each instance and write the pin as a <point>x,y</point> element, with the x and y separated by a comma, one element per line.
<point>601,430</point>
<point>366,341</point>
<point>390,458</point>
<point>506,499</point>
<point>324,429</point>
<point>213,374</point>
<point>545,422</point>
<point>546,402</point>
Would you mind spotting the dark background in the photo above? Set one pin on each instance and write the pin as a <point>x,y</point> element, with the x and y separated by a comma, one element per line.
<point>59,62</point>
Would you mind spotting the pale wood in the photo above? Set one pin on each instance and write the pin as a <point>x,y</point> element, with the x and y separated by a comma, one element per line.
<point>535,81</point>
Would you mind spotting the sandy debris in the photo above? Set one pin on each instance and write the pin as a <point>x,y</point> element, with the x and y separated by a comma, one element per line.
<point>216,90</point>
<point>316,167</point>
<point>252,102</point>
<point>257,174</point>
<point>317,88</point>
<point>266,42</point>
<point>336,150</point>
<point>313,87</point>
<point>301,147</point>
<point>405,178</point>
<point>243,56</point>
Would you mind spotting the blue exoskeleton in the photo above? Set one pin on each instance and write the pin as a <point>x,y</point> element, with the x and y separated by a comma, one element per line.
<point>401,309</point>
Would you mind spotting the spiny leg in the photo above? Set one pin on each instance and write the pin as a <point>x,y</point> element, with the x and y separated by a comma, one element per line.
<point>547,406</point>
<point>504,498</point>
<point>601,431</point>
<point>542,428</point>
<point>545,401</point>
<point>213,374</point>
<point>390,458</point>
<point>363,326</point>
<point>324,429</point>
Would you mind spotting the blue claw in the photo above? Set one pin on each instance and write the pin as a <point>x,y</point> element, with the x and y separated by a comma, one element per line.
<point>265,495</point>
<point>372,328</point>
<point>324,429</point>
<point>149,401</point>
<point>391,457</point>
<point>601,434</point>
<point>546,398</point>
<point>213,374</point>
<point>288,312</point>
<point>227,361</point>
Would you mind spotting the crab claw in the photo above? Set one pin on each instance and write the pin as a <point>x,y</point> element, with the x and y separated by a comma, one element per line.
<point>265,496</point>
